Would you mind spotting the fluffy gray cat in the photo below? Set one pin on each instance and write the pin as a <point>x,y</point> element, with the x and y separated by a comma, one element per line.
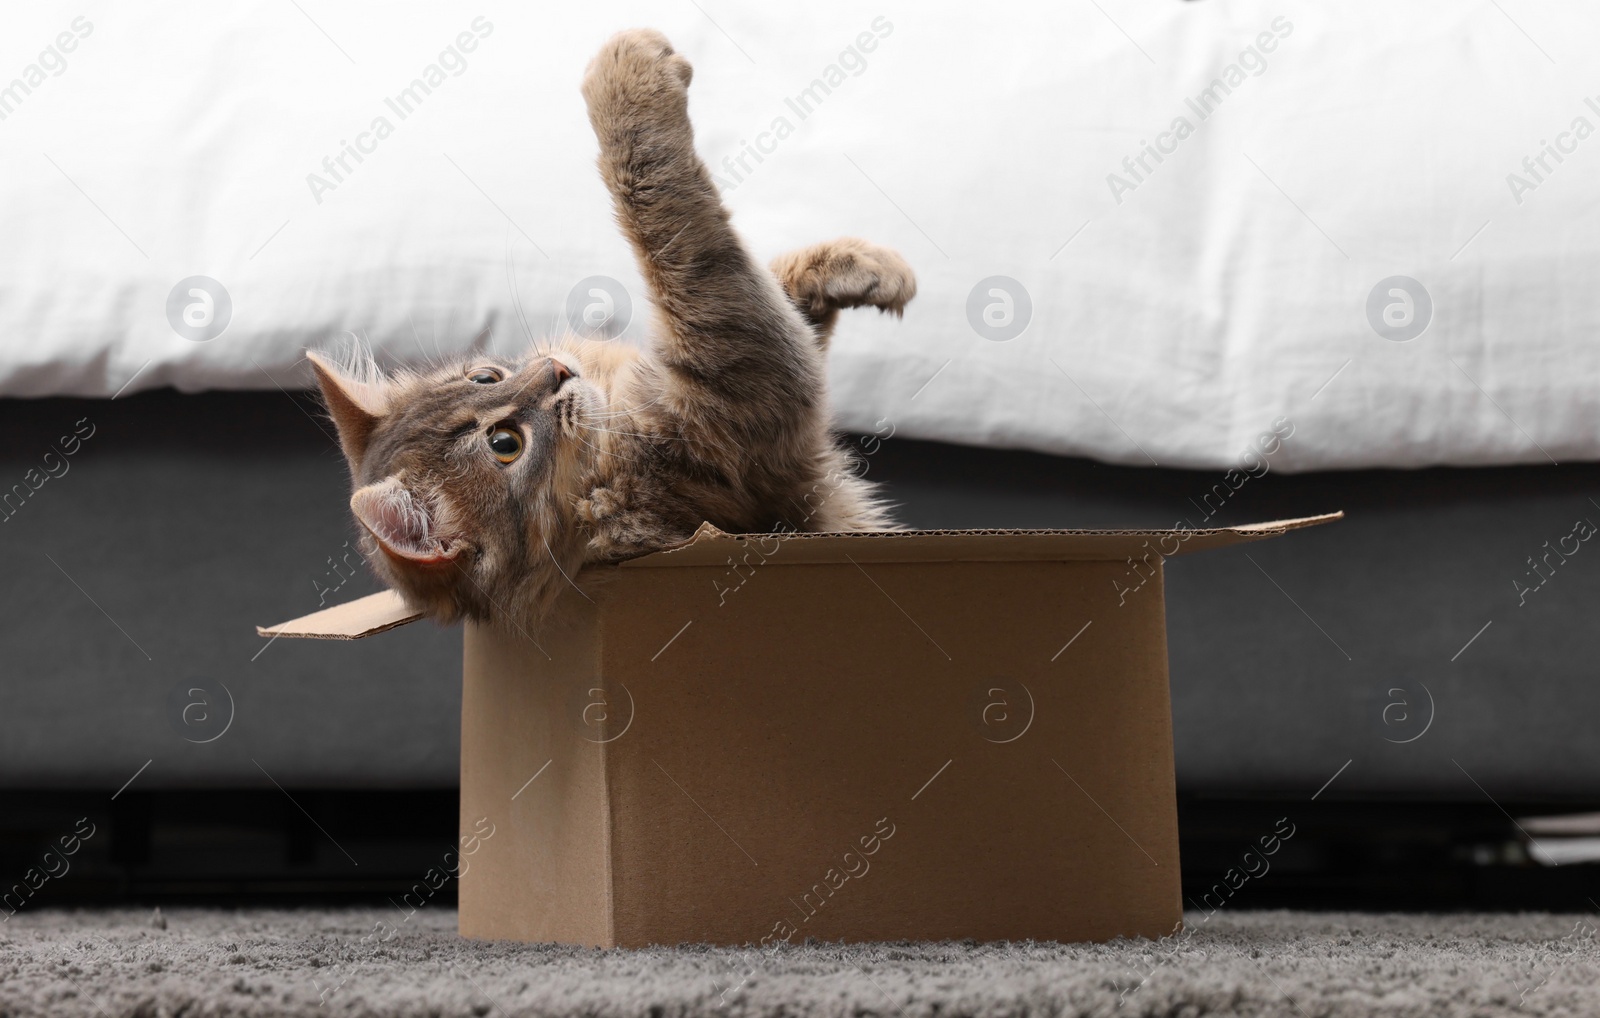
<point>484,487</point>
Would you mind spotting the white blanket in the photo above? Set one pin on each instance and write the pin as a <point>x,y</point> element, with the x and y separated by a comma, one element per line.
<point>1197,198</point>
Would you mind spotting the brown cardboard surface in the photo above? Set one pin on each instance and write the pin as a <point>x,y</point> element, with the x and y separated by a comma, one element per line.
<point>746,744</point>
<point>812,710</point>
<point>545,873</point>
<point>375,613</point>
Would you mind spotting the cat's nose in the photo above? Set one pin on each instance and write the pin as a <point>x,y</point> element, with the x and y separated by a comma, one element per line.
<point>559,371</point>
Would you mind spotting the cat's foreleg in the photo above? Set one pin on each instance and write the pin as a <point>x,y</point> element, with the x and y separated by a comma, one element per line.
<point>720,311</point>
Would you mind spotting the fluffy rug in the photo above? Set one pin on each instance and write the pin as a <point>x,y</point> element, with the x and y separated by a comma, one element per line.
<point>332,963</point>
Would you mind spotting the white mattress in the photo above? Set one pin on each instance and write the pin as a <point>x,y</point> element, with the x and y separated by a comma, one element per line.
<point>1171,323</point>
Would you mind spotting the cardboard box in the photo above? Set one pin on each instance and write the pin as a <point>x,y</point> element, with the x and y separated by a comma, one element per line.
<point>881,736</point>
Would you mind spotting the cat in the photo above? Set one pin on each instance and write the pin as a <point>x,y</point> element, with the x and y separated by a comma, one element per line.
<point>484,487</point>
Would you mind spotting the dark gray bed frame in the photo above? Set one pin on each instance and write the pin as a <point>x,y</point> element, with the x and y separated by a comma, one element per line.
<point>182,521</point>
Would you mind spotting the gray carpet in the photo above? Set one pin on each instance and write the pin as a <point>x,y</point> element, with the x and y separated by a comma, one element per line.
<point>259,962</point>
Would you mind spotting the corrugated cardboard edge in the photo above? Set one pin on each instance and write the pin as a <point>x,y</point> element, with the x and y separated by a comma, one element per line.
<point>1270,528</point>
<point>1044,544</point>
<point>1284,526</point>
<point>367,616</point>
<point>608,799</point>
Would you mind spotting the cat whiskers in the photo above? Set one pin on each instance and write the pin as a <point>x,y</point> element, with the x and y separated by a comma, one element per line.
<point>625,411</point>
<point>436,361</point>
<point>606,452</point>
<point>556,562</point>
<point>633,434</point>
<point>590,417</point>
<point>612,448</point>
<point>705,438</point>
<point>516,296</point>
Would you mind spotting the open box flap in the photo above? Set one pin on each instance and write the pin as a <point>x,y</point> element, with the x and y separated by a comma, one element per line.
<point>710,546</point>
<point>385,610</point>
<point>352,620</point>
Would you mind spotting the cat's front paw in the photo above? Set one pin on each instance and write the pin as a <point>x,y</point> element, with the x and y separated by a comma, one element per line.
<point>846,273</point>
<point>637,75</point>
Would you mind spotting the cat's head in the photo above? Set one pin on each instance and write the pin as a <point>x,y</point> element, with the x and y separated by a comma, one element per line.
<point>465,478</point>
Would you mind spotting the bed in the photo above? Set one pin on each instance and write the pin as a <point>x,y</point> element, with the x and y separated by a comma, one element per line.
<point>1144,232</point>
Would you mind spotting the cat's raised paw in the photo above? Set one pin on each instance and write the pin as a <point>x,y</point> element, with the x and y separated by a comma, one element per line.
<point>637,72</point>
<point>845,273</point>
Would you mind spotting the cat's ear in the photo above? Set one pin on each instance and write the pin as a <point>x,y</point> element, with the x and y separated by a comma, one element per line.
<point>401,523</point>
<point>356,406</point>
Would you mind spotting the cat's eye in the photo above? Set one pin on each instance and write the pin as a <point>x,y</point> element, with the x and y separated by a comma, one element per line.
<point>505,443</point>
<point>484,376</point>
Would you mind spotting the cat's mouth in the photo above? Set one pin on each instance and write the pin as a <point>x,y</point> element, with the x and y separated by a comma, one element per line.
<point>403,525</point>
